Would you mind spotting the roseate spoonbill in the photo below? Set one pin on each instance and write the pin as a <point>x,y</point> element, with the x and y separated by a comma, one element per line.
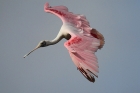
<point>82,40</point>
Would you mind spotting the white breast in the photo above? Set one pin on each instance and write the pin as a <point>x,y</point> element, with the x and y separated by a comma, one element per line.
<point>69,28</point>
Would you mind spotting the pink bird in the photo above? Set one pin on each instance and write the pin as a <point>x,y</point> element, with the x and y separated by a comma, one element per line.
<point>82,40</point>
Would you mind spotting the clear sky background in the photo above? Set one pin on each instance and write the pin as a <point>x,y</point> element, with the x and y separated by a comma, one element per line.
<point>23,23</point>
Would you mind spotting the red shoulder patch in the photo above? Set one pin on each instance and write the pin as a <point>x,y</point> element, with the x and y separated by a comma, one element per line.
<point>74,41</point>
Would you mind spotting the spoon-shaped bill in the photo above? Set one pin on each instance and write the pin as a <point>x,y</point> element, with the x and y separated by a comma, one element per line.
<point>30,52</point>
<point>38,46</point>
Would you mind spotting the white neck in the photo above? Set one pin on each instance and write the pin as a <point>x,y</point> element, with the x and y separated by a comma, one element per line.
<point>57,39</point>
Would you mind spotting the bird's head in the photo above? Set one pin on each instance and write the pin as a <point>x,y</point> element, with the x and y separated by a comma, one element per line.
<point>41,44</point>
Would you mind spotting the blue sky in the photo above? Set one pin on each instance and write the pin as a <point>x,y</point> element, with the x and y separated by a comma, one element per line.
<point>50,70</point>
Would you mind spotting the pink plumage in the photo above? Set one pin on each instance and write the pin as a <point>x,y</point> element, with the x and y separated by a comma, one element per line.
<point>82,53</point>
<point>83,41</point>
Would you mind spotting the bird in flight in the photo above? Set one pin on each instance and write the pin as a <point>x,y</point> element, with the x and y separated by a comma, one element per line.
<point>82,40</point>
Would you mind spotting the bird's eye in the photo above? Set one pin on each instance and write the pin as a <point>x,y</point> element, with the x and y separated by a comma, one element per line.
<point>43,42</point>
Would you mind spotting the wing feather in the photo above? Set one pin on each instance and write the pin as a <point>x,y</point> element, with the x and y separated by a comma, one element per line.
<point>82,51</point>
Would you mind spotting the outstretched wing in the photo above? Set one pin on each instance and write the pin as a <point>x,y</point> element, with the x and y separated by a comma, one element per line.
<point>79,21</point>
<point>81,50</point>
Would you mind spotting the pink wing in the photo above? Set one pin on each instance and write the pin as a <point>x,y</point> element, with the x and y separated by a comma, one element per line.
<point>79,21</point>
<point>81,50</point>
